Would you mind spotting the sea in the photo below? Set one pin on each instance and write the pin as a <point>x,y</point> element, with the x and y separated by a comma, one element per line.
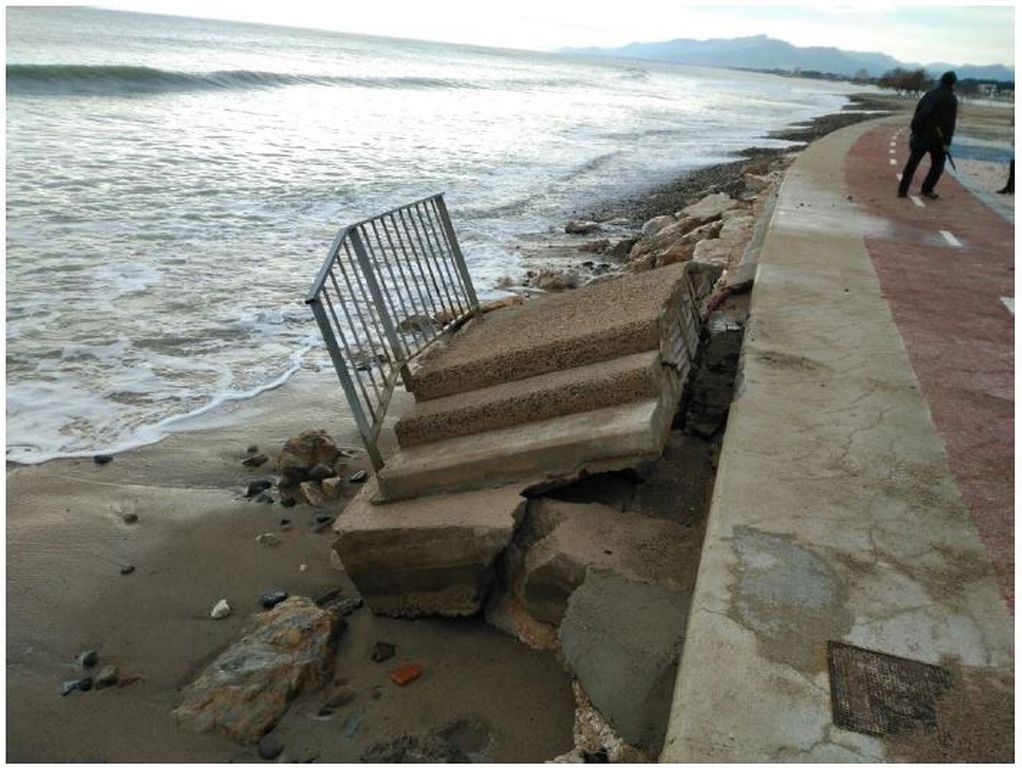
<point>173,186</point>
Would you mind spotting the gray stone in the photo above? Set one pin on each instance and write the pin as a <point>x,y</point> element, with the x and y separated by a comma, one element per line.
<point>311,492</point>
<point>715,252</point>
<point>108,677</point>
<point>256,461</point>
<point>246,689</point>
<point>710,207</point>
<point>577,227</point>
<point>622,640</point>
<point>560,541</point>
<point>331,487</point>
<point>656,224</point>
<point>305,451</point>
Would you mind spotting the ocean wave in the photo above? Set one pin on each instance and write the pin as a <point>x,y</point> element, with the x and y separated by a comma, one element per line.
<point>130,80</point>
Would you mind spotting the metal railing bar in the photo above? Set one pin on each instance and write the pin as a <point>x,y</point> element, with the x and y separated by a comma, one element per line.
<point>449,284</point>
<point>429,266</point>
<point>437,301</point>
<point>347,350</point>
<point>406,314</point>
<point>368,334</point>
<point>328,263</point>
<point>459,257</point>
<point>381,298</point>
<point>397,258</point>
<point>448,257</point>
<point>438,218</point>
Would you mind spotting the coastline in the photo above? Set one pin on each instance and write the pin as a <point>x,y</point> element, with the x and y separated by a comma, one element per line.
<point>194,543</point>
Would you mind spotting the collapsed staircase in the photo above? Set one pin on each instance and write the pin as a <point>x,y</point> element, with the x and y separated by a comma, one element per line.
<point>563,385</point>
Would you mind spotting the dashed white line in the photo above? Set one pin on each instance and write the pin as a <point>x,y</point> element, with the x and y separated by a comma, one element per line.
<point>893,161</point>
<point>898,175</point>
<point>891,150</point>
<point>918,201</point>
<point>1009,302</point>
<point>951,238</point>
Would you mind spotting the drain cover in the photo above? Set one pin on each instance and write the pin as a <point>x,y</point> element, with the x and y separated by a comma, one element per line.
<point>882,695</point>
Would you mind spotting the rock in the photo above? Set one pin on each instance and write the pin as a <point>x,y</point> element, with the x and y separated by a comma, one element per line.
<point>270,747</point>
<point>126,569</point>
<point>331,487</point>
<point>578,227</point>
<point>665,238</point>
<point>264,498</point>
<point>643,263</point>
<point>382,651</point>
<point>288,502</point>
<point>716,252</point>
<point>252,449</point>
<point>710,207</point>
<point>311,493</point>
<point>268,540</point>
<point>245,690</point>
<point>507,301</point>
<point>321,472</point>
<point>102,459</point>
<point>339,697</point>
<point>706,231</point>
<point>221,610</point>
<point>272,599</point>
<point>654,225</point>
<point>737,228</point>
<point>621,248</point>
<point>258,486</point>
<point>303,568</point>
<point>621,639</point>
<point>321,522</point>
<point>352,723</point>
<point>88,658</point>
<point>755,183</point>
<point>406,673</point>
<point>85,684</point>
<point>285,523</point>
<point>303,452</point>
<point>551,280</point>
<point>256,461</point>
<point>594,246</point>
<point>130,518</point>
<point>675,254</point>
<point>349,605</point>
<point>107,677</point>
<point>559,541</point>
<point>82,684</point>
<point>358,477</point>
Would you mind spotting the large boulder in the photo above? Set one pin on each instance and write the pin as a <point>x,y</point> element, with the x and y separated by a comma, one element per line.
<point>716,252</point>
<point>664,238</point>
<point>709,208</point>
<point>622,640</point>
<point>560,541</point>
<point>246,689</point>
<point>303,452</point>
<point>657,223</point>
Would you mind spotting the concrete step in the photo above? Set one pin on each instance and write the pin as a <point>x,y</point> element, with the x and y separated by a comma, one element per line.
<point>602,321</point>
<point>537,398</point>
<point>598,440</point>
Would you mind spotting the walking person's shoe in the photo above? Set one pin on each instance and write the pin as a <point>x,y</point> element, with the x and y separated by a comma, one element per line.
<point>930,195</point>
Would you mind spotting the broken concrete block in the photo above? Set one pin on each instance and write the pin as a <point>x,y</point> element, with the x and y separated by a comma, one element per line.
<point>622,640</point>
<point>426,556</point>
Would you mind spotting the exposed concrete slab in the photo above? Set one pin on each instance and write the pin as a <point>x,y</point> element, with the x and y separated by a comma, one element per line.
<point>600,321</point>
<point>427,556</point>
<point>621,639</point>
<point>559,541</point>
<point>600,440</point>
<point>586,388</point>
<point>835,515</point>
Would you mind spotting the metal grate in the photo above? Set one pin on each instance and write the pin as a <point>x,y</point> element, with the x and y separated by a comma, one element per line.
<point>882,695</point>
<point>390,286</point>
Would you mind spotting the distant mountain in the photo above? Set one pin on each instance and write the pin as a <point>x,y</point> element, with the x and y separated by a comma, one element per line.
<point>762,52</point>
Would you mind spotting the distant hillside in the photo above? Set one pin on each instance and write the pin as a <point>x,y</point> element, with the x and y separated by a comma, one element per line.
<point>762,52</point>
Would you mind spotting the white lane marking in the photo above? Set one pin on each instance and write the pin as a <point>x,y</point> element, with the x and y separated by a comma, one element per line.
<point>917,201</point>
<point>1009,302</point>
<point>951,238</point>
<point>893,143</point>
<point>898,175</point>
<point>891,151</point>
<point>893,161</point>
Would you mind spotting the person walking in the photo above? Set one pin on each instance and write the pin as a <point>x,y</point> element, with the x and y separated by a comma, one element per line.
<point>933,126</point>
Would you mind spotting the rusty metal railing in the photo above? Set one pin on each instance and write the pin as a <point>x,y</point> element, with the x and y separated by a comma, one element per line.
<point>390,286</point>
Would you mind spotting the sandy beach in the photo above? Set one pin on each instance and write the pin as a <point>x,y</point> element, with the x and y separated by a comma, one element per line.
<point>194,542</point>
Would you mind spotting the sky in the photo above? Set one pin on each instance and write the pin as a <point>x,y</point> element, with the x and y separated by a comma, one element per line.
<point>911,32</point>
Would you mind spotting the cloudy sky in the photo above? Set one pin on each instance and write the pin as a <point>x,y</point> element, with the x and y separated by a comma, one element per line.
<point>914,33</point>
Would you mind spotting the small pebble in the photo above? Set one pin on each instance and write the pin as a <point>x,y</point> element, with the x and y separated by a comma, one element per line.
<point>85,684</point>
<point>88,658</point>
<point>67,686</point>
<point>287,502</point>
<point>285,524</point>
<point>270,599</point>
<point>382,651</point>
<point>303,568</point>
<point>359,477</point>
<point>129,518</point>
<point>258,486</point>
<point>270,747</point>
<point>406,673</point>
<point>221,610</point>
<point>268,540</point>
<point>349,605</point>
<point>126,569</point>
<point>103,458</point>
<point>107,677</point>
<point>256,461</point>
<point>253,449</point>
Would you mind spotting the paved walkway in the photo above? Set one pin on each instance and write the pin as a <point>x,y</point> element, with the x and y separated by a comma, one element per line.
<point>864,494</point>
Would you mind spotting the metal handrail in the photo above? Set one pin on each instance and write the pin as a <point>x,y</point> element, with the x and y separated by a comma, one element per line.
<point>390,286</point>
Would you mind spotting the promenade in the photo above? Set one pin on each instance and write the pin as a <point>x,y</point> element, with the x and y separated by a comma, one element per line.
<point>854,601</point>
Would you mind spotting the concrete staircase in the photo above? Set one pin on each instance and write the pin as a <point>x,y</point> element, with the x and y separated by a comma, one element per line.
<point>585,381</point>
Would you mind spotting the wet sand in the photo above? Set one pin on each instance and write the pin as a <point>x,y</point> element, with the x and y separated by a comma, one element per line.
<point>193,544</point>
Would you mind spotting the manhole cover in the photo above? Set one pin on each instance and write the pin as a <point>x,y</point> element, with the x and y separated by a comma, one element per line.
<point>882,695</point>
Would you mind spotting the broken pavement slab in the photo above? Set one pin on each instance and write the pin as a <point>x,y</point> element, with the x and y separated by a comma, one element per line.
<point>431,556</point>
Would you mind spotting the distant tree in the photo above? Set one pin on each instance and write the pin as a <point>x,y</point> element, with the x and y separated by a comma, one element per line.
<point>862,76</point>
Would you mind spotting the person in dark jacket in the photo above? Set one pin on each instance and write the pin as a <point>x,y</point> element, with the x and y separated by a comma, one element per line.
<point>933,127</point>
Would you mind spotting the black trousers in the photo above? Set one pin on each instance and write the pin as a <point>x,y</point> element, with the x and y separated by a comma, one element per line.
<point>937,158</point>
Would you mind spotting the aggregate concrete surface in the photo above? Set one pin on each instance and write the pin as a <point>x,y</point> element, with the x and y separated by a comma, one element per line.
<point>840,510</point>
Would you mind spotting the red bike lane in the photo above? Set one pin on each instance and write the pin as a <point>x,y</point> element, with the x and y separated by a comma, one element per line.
<point>944,267</point>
